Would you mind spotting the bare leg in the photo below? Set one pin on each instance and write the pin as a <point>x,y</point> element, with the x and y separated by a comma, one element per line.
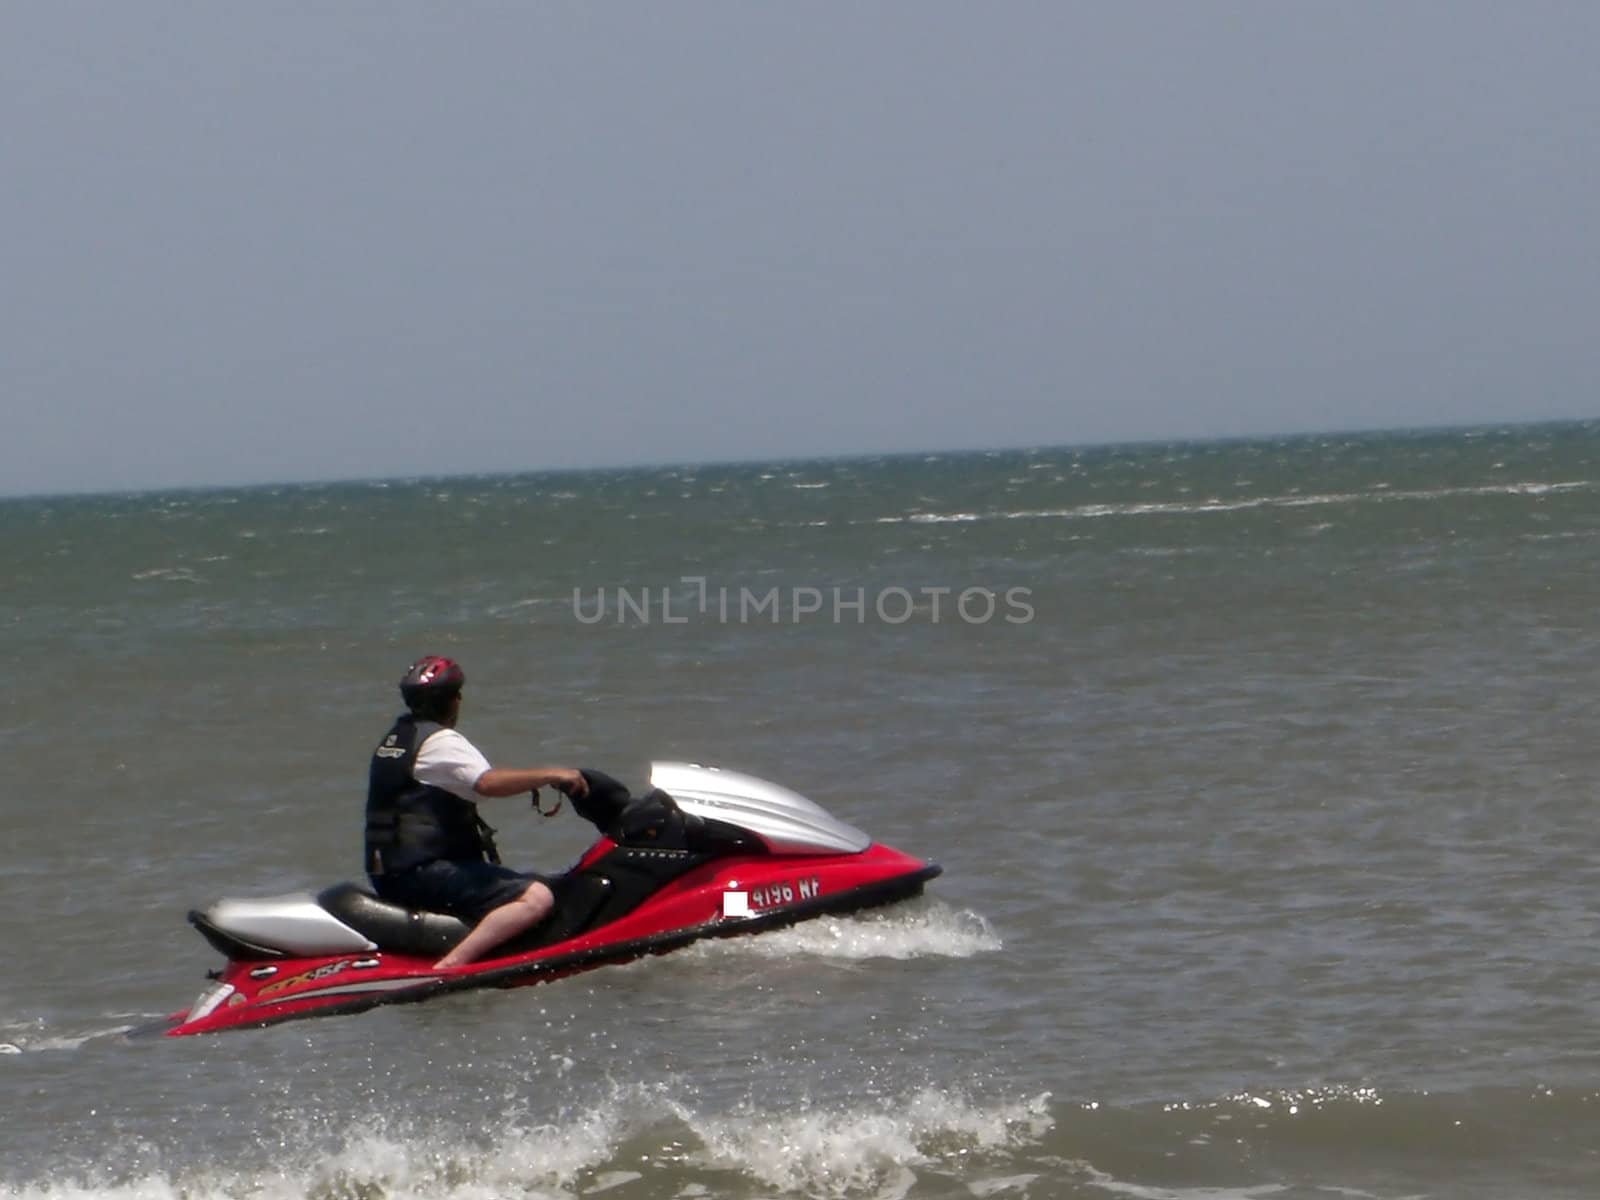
<point>500,925</point>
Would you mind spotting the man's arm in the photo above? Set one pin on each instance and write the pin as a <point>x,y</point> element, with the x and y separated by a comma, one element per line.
<point>512,781</point>
<point>447,760</point>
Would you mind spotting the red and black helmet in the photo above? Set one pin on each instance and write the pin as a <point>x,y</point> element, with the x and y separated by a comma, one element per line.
<point>431,679</point>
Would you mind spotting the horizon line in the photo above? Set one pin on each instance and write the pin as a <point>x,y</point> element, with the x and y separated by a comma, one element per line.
<point>766,460</point>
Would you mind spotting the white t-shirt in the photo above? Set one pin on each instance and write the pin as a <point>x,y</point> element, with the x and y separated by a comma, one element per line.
<point>447,760</point>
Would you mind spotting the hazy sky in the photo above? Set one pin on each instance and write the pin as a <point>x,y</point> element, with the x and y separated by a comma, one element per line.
<point>256,241</point>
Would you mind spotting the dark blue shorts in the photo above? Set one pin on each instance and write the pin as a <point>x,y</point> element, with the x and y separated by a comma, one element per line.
<point>466,889</point>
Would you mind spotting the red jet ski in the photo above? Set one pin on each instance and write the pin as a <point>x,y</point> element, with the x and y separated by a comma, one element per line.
<point>718,854</point>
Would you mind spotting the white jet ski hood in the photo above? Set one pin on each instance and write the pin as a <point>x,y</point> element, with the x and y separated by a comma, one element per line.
<point>785,821</point>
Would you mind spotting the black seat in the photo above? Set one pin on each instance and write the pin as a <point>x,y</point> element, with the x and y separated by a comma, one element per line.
<point>392,926</point>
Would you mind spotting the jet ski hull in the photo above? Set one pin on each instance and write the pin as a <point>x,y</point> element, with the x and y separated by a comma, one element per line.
<point>685,899</point>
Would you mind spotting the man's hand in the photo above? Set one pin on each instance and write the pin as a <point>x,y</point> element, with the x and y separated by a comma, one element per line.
<point>512,781</point>
<point>571,783</point>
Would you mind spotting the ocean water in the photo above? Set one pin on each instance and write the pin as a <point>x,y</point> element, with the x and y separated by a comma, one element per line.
<point>1261,773</point>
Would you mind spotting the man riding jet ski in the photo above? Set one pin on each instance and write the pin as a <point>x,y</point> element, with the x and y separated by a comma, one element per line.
<point>426,845</point>
<point>705,852</point>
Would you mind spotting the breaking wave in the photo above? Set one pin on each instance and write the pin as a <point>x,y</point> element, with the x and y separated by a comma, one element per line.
<point>638,1142</point>
<point>1377,495</point>
<point>650,1141</point>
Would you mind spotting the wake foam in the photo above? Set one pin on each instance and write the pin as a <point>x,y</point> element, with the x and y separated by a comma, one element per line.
<point>35,1036</point>
<point>923,928</point>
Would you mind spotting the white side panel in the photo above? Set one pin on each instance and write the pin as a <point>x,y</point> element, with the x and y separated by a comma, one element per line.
<point>296,924</point>
<point>786,821</point>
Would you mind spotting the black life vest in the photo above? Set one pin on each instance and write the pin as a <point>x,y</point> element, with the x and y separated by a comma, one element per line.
<point>408,822</point>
